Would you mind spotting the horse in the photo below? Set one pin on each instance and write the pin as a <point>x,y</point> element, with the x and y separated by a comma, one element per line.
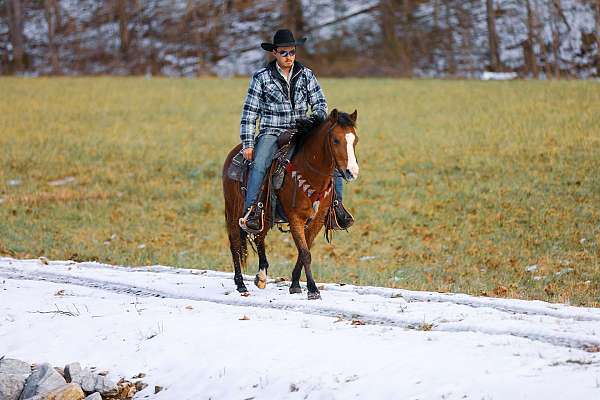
<point>306,196</point>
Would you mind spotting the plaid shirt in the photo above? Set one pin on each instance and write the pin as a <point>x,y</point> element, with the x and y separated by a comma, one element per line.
<point>268,100</point>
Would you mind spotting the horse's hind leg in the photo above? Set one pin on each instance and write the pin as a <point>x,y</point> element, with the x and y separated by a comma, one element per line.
<point>237,245</point>
<point>263,265</point>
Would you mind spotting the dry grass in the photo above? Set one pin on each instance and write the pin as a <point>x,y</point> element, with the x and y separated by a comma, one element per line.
<point>478,187</point>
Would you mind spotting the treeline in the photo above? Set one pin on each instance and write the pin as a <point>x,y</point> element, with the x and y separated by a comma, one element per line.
<point>411,38</point>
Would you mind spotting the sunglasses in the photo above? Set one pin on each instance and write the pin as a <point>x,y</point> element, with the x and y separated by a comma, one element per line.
<point>290,53</point>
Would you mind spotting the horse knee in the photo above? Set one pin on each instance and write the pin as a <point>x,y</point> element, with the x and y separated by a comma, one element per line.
<point>305,257</point>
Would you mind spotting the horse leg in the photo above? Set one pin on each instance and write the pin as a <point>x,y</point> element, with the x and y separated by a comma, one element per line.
<point>260,280</point>
<point>237,244</point>
<point>295,286</point>
<point>299,235</point>
<point>310,235</point>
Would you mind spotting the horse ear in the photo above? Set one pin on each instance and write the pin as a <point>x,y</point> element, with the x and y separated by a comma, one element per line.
<point>354,115</point>
<point>333,115</point>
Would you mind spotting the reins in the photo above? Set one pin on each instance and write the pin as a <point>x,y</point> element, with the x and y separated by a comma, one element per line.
<point>334,162</point>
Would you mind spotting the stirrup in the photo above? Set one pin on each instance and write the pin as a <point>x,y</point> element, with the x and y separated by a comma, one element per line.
<point>261,217</point>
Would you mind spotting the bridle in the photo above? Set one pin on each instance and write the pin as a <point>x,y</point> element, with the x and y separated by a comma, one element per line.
<point>334,161</point>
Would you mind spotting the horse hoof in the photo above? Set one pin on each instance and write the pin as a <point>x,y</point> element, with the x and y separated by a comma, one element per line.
<point>314,295</point>
<point>260,280</point>
<point>242,289</point>
<point>294,290</point>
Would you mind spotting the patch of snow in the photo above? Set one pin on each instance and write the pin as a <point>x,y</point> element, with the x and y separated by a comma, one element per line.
<point>193,334</point>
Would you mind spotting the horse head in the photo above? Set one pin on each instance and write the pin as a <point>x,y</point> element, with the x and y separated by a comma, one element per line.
<point>342,142</point>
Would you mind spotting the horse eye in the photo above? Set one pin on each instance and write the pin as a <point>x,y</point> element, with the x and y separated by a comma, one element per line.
<point>336,141</point>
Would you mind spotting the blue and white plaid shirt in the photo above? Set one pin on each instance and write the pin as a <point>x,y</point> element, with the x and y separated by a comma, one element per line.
<point>268,100</point>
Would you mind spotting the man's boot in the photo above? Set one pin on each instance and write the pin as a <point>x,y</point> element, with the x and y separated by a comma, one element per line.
<point>343,216</point>
<point>252,222</point>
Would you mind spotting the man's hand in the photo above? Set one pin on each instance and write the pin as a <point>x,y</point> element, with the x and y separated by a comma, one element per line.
<point>249,153</point>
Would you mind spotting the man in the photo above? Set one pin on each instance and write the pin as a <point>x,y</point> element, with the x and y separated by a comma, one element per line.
<point>278,94</point>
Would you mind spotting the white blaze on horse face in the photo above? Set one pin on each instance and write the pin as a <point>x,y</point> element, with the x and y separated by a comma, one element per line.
<point>352,164</point>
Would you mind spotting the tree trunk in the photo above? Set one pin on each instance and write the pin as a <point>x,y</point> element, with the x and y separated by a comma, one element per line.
<point>17,39</point>
<point>123,27</point>
<point>52,21</point>
<point>556,37</point>
<point>492,36</point>
<point>450,56</point>
<point>294,17</point>
<point>529,51</point>
<point>598,38</point>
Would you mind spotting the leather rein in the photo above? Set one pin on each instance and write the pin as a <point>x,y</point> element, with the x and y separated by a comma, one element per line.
<point>334,161</point>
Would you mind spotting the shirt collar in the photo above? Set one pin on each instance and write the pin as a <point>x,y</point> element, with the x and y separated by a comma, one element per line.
<point>286,78</point>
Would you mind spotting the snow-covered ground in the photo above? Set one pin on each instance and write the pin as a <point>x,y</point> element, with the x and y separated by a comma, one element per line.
<point>193,334</point>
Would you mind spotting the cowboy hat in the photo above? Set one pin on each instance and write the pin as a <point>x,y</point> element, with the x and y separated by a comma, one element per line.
<point>282,38</point>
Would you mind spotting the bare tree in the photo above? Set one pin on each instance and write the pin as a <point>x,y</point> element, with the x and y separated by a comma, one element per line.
<point>556,15</point>
<point>123,16</point>
<point>529,44</point>
<point>597,33</point>
<point>293,17</point>
<point>17,38</point>
<point>52,20</point>
<point>492,36</point>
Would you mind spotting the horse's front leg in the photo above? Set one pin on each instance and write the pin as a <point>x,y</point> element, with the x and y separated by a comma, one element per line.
<point>260,280</point>
<point>304,257</point>
<point>295,286</point>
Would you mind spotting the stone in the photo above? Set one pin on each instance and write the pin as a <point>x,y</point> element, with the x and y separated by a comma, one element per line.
<point>87,381</point>
<point>11,386</point>
<point>44,378</point>
<point>14,366</point>
<point>72,372</point>
<point>70,391</point>
<point>94,396</point>
<point>105,386</point>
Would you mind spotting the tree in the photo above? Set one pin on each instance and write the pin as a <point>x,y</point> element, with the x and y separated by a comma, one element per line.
<point>53,21</point>
<point>14,12</point>
<point>529,44</point>
<point>492,36</point>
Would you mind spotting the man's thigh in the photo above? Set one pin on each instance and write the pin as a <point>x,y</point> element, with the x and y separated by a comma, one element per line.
<point>265,148</point>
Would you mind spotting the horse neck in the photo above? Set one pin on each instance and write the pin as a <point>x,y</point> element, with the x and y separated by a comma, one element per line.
<point>316,156</point>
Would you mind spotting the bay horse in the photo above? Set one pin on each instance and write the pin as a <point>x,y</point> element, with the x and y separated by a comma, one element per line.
<point>305,196</point>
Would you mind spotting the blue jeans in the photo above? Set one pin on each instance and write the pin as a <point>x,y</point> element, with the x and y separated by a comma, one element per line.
<point>264,150</point>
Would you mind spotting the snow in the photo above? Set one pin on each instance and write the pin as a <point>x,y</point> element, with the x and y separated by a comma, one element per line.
<point>185,329</point>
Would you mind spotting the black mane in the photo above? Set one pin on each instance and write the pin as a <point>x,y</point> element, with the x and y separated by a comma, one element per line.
<point>306,127</point>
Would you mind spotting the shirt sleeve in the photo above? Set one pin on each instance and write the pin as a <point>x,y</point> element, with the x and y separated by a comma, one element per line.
<point>250,113</point>
<point>316,98</point>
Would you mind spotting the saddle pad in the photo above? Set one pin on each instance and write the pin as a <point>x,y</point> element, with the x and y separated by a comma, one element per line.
<point>237,169</point>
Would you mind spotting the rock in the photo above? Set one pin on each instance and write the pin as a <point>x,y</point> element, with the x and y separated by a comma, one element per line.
<point>94,396</point>
<point>157,389</point>
<point>105,386</point>
<point>83,377</point>
<point>11,386</point>
<point>72,372</point>
<point>43,379</point>
<point>70,391</point>
<point>13,366</point>
<point>126,390</point>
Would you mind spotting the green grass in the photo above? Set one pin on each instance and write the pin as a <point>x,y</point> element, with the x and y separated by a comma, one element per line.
<point>463,184</point>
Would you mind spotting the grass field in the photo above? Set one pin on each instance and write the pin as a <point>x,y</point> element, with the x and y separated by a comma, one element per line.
<point>486,188</point>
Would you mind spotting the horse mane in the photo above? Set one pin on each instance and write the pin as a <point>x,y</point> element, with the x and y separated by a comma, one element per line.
<point>306,127</point>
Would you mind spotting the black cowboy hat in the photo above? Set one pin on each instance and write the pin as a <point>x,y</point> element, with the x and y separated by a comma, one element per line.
<point>282,38</point>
